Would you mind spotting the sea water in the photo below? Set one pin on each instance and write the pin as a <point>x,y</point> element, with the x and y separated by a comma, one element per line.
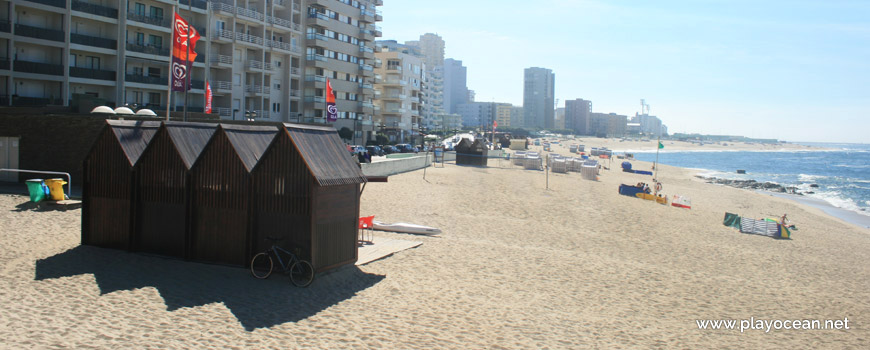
<point>842,173</point>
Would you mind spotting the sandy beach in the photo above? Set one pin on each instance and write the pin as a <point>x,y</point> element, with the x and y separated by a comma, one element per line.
<point>518,266</point>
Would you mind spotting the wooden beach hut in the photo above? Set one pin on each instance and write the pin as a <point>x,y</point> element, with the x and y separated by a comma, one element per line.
<point>468,153</point>
<point>108,186</point>
<point>306,190</point>
<point>221,196</point>
<point>163,181</point>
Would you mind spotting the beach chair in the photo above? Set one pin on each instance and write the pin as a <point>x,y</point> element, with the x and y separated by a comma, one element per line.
<point>365,224</point>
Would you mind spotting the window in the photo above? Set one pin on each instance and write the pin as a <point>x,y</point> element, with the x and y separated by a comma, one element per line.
<point>156,12</point>
<point>155,41</point>
<point>137,97</point>
<point>138,71</point>
<point>154,98</point>
<point>154,72</point>
<point>276,107</point>
<point>140,39</point>
<point>92,62</point>
<point>237,79</point>
<point>139,9</point>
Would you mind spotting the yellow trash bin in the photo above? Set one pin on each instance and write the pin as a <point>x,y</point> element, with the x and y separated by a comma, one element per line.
<point>55,186</point>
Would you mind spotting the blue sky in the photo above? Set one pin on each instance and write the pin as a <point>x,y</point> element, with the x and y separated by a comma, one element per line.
<point>792,70</point>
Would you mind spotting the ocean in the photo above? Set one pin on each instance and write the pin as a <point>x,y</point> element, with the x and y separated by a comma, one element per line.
<point>842,173</point>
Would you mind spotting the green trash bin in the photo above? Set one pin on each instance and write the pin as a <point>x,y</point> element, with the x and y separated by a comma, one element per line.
<point>36,187</point>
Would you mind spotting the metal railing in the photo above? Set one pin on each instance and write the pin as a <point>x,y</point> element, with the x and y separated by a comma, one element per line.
<point>294,70</point>
<point>157,21</point>
<point>37,67</point>
<point>226,34</point>
<point>221,85</point>
<point>312,77</point>
<point>249,38</point>
<point>316,99</point>
<point>294,92</point>
<point>254,64</point>
<point>279,21</point>
<point>253,88</point>
<point>223,59</point>
<point>88,40</point>
<point>144,79</point>
<point>39,33</point>
<point>243,12</point>
<point>317,36</point>
<point>5,26</point>
<point>316,57</point>
<point>99,10</point>
<point>80,72</point>
<point>223,111</point>
<point>55,3</point>
<point>318,15</point>
<point>147,49</point>
<point>220,6</point>
<point>279,45</point>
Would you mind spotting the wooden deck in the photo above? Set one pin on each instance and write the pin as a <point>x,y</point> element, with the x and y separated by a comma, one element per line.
<point>381,247</point>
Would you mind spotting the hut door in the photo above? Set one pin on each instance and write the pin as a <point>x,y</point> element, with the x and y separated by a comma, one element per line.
<point>8,158</point>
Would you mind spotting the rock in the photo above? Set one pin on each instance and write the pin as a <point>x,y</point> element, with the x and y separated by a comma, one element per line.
<point>814,185</point>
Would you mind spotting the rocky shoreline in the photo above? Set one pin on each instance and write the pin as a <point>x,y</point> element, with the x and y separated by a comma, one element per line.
<point>753,185</point>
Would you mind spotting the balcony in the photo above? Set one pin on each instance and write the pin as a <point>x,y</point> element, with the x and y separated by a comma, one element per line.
<point>200,4</point>
<point>93,41</point>
<point>366,67</point>
<point>221,59</point>
<point>38,67</point>
<point>315,99</point>
<point>148,49</point>
<point>294,70</point>
<point>249,38</point>
<point>219,85</point>
<point>156,21</point>
<point>4,65</point>
<point>217,6</point>
<point>318,78</point>
<point>316,57</point>
<point>23,101</point>
<point>365,85</point>
<point>39,33</point>
<point>279,22</point>
<point>317,36</point>
<point>224,34</point>
<point>281,45</point>
<point>294,92</point>
<point>252,14</point>
<point>55,3</point>
<point>223,111</point>
<point>318,15</point>
<point>145,79</point>
<point>257,89</point>
<point>98,10</point>
<point>89,73</point>
<point>5,26</point>
<point>254,64</point>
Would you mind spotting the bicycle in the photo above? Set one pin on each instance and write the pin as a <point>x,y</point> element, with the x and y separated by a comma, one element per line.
<point>301,272</point>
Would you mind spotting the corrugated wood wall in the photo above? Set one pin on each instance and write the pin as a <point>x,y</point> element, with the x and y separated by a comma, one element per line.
<point>106,215</point>
<point>220,196</point>
<point>336,221</point>
<point>282,188</point>
<point>161,219</point>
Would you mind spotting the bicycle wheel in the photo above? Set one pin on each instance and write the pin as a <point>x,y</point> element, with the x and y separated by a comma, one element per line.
<point>261,265</point>
<point>301,273</point>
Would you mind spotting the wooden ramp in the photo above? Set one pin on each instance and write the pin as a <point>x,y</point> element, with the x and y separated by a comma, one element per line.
<point>381,247</point>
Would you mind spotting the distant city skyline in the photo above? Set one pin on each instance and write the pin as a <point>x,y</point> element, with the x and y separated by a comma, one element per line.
<point>787,70</point>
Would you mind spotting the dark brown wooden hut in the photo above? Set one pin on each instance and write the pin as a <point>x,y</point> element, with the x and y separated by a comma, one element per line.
<point>468,153</point>
<point>220,193</point>
<point>108,187</point>
<point>163,180</point>
<point>306,190</point>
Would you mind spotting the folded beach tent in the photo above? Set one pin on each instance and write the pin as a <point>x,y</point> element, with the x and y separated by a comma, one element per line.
<point>764,227</point>
<point>682,202</point>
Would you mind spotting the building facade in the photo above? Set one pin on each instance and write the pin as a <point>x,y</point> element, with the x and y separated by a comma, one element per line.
<point>455,84</point>
<point>538,98</point>
<point>400,95</point>
<point>264,60</point>
<point>577,116</point>
<point>517,117</point>
<point>608,125</point>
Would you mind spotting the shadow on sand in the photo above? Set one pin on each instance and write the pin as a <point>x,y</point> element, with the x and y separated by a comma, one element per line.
<point>255,303</point>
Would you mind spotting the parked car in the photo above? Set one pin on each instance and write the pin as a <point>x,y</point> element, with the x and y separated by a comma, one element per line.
<point>375,150</point>
<point>406,148</point>
<point>389,149</point>
<point>354,149</point>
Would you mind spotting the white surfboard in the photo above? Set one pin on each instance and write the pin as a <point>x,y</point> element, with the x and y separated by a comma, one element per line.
<point>403,227</point>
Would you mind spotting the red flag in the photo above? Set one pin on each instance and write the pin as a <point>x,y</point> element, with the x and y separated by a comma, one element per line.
<point>207,98</point>
<point>331,110</point>
<point>181,32</point>
<point>494,124</point>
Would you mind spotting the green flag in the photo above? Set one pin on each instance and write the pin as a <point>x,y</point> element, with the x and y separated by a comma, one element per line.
<point>661,145</point>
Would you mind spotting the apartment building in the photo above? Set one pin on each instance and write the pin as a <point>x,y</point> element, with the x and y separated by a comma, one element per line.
<point>482,114</point>
<point>538,98</point>
<point>400,95</point>
<point>264,59</point>
<point>577,116</point>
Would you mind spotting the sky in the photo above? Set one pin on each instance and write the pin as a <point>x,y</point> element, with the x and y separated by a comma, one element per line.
<point>791,70</point>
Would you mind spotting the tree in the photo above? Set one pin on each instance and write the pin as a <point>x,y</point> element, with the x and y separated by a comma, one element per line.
<point>345,133</point>
<point>382,139</point>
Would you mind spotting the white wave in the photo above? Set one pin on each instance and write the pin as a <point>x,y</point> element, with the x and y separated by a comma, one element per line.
<point>852,166</point>
<point>805,177</point>
<point>835,198</point>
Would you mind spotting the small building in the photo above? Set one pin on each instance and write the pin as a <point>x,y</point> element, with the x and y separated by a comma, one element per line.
<point>306,189</point>
<point>163,188</point>
<point>108,187</point>
<point>468,153</point>
<point>220,194</point>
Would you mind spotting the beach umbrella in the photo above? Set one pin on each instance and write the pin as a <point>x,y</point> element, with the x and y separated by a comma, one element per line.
<point>103,110</point>
<point>124,111</point>
<point>145,112</point>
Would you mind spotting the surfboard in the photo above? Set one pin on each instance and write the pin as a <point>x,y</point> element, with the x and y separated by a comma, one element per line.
<point>403,227</point>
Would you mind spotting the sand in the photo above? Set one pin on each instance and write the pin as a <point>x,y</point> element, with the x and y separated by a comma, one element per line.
<point>518,266</point>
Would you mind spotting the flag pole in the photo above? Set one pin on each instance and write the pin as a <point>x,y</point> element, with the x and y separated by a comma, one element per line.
<point>169,85</point>
<point>656,166</point>
<point>187,70</point>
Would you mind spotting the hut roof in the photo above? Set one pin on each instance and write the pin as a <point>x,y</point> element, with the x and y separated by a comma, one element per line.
<point>325,155</point>
<point>463,145</point>
<point>250,141</point>
<point>133,136</point>
<point>190,139</point>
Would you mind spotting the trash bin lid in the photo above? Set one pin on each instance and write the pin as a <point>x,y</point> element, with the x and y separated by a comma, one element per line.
<point>34,180</point>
